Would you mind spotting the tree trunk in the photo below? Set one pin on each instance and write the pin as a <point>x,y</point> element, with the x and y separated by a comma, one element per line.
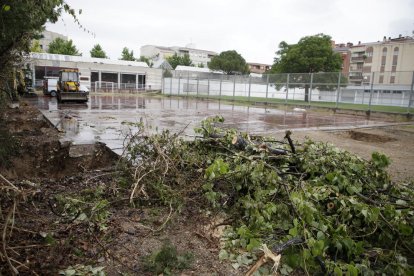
<point>306,92</point>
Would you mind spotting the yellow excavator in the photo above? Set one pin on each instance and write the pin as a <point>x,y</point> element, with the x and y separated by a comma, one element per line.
<point>68,87</point>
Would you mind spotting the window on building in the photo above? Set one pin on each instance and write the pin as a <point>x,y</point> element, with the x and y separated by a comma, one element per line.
<point>396,51</point>
<point>394,60</point>
<point>94,77</point>
<point>383,60</point>
<point>392,79</point>
<point>381,79</point>
<point>384,51</point>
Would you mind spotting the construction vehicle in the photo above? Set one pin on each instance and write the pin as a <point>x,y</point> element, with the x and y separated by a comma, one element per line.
<point>69,88</point>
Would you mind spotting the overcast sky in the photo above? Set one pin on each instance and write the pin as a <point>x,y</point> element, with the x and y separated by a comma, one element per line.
<point>254,28</point>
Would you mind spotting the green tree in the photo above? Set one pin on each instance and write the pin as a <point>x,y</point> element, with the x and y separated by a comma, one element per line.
<point>98,52</point>
<point>127,55</point>
<point>63,47</point>
<point>229,62</point>
<point>312,54</point>
<point>146,60</point>
<point>176,60</point>
<point>35,47</point>
<point>21,22</point>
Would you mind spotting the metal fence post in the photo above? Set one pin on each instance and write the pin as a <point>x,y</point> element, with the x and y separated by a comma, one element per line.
<point>250,86</point>
<point>188,82</point>
<point>234,86</point>
<point>310,89</point>
<point>221,80</point>
<point>338,88</point>
<point>267,86</point>
<point>179,84</point>
<point>411,95</point>
<point>197,85</point>
<point>287,88</point>
<point>372,90</point>
<point>208,86</point>
<point>171,85</point>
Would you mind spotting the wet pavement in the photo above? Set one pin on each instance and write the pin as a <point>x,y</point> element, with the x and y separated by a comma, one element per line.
<point>103,117</point>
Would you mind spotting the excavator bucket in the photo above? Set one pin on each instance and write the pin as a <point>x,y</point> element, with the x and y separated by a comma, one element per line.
<point>74,96</point>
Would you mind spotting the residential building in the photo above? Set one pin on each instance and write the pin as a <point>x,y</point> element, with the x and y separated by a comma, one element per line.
<point>258,68</point>
<point>343,50</point>
<point>156,52</point>
<point>383,60</point>
<point>197,56</point>
<point>47,37</point>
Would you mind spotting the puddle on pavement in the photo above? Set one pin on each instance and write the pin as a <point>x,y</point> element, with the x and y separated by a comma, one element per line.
<point>101,118</point>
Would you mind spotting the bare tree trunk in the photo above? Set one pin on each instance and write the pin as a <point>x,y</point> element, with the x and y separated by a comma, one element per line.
<point>306,92</point>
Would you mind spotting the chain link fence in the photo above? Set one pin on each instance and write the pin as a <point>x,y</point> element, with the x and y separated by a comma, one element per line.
<point>114,87</point>
<point>382,91</point>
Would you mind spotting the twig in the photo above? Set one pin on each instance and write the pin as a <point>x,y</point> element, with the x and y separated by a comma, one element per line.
<point>165,222</point>
<point>97,176</point>
<point>9,183</point>
<point>136,185</point>
<point>13,270</point>
<point>267,255</point>
<point>287,136</point>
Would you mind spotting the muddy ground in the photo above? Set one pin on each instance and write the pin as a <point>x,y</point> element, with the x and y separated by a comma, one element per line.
<point>48,236</point>
<point>397,142</point>
<point>58,182</point>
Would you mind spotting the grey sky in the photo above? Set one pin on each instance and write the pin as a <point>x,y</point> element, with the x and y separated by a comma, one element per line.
<point>254,28</point>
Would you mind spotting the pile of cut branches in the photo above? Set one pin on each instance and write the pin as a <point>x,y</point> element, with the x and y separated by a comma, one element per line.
<point>342,212</point>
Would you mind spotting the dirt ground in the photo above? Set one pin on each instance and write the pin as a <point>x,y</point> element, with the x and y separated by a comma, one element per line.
<point>397,142</point>
<point>47,234</point>
<point>45,240</point>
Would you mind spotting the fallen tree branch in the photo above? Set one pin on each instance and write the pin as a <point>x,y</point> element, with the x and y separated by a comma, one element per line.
<point>292,146</point>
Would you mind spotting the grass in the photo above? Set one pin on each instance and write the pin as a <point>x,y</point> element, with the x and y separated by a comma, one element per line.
<point>167,259</point>
<point>347,106</point>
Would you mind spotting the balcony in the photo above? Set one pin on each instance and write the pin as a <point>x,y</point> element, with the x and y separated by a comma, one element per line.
<point>356,78</point>
<point>358,59</point>
<point>355,69</point>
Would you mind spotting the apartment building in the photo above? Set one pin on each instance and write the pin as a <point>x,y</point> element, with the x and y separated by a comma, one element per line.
<point>197,56</point>
<point>343,50</point>
<point>258,68</point>
<point>47,37</point>
<point>383,60</point>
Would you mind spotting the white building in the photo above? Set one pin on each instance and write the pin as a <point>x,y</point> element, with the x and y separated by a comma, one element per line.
<point>98,72</point>
<point>197,56</point>
<point>48,37</point>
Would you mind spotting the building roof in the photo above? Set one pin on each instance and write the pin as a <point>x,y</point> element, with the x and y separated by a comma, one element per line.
<point>195,69</point>
<point>193,49</point>
<point>260,64</point>
<point>47,56</point>
<point>175,48</point>
<point>162,63</point>
<point>385,40</point>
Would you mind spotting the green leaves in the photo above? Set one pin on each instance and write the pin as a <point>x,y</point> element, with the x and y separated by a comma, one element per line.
<point>380,160</point>
<point>63,47</point>
<point>98,52</point>
<point>229,62</point>
<point>176,60</point>
<point>127,55</point>
<point>329,198</point>
<point>5,8</point>
<point>218,168</point>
